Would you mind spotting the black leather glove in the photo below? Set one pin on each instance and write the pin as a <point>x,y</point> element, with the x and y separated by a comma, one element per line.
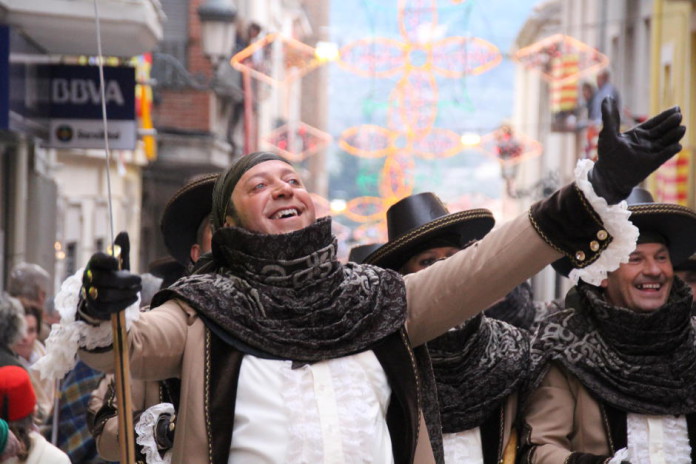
<point>105,288</point>
<point>164,431</point>
<point>626,159</point>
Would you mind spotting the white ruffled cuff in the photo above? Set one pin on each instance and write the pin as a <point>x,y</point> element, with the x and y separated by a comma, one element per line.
<point>70,335</point>
<point>615,218</point>
<point>620,456</point>
<point>146,429</point>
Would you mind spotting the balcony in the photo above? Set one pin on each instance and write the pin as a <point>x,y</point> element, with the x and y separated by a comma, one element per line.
<point>67,27</point>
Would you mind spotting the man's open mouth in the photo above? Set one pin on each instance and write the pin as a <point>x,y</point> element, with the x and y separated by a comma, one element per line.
<point>285,213</point>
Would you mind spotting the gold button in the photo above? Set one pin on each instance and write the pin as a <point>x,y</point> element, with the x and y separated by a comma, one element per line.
<point>580,256</point>
<point>594,245</point>
<point>602,234</point>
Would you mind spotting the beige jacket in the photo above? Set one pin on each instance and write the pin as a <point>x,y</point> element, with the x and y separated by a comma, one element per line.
<point>562,417</point>
<point>168,341</point>
<point>143,395</point>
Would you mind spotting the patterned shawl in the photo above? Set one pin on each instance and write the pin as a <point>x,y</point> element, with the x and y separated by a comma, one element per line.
<point>642,363</point>
<point>477,366</point>
<point>288,297</point>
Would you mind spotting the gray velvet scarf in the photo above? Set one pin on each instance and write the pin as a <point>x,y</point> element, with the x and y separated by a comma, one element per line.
<point>477,366</point>
<point>642,363</point>
<point>288,297</point>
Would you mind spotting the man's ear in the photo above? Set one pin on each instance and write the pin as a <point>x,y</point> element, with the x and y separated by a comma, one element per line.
<point>229,222</point>
<point>195,252</point>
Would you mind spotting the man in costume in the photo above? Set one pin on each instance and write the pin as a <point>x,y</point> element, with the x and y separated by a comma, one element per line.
<point>479,365</point>
<point>286,355</point>
<point>615,376</point>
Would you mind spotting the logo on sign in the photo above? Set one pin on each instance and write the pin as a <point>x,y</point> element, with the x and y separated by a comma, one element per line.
<point>64,133</point>
<point>81,91</point>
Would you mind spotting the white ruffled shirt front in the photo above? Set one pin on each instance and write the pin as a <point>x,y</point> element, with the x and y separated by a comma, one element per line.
<point>658,439</point>
<point>328,412</point>
<point>463,447</point>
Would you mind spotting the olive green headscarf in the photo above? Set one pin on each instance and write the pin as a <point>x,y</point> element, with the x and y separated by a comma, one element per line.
<point>222,192</point>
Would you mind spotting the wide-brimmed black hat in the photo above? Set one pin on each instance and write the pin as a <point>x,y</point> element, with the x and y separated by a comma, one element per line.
<point>688,265</point>
<point>168,269</point>
<point>675,223</point>
<point>359,252</point>
<point>184,213</point>
<point>419,219</point>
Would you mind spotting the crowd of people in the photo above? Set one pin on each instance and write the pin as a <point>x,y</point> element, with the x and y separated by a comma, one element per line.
<point>253,343</point>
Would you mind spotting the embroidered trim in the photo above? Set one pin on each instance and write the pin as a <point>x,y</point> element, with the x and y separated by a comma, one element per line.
<point>146,428</point>
<point>70,335</point>
<point>616,223</point>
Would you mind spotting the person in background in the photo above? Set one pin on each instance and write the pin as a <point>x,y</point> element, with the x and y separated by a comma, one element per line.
<point>30,283</point>
<point>475,378</point>
<point>613,375</point>
<point>12,329</point>
<point>686,271</point>
<point>30,350</point>
<point>17,403</point>
<point>9,445</point>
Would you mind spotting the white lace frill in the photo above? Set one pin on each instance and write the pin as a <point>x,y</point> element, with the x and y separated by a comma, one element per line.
<point>620,456</point>
<point>655,439</point>
<point>69,335</point>
<point>145,430</point>
<point>615,218</point>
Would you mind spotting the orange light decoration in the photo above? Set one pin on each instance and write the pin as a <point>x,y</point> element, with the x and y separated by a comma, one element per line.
<point>543,54</point>
<point>508,148</point>
<point>298,142</point>
<point>419,58</point>
<point>298,59</point>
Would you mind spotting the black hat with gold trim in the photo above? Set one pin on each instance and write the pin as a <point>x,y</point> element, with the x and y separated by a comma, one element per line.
<point>359,252</point>
<point>668,223</point>
<point>184,214</point>
<point>419,222</point>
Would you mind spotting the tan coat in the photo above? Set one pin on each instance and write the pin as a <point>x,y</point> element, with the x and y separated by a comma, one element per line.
<point>143,395</point>
<point>168,341</point>
<point>562,417</point>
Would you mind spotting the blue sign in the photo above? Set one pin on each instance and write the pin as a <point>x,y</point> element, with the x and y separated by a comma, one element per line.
<point>75,92</point>
<point>75,108</point>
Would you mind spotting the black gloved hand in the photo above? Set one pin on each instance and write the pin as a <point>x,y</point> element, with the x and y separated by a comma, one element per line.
<point>106,289</point>
<point>164,431</point>
<point>626,159</point>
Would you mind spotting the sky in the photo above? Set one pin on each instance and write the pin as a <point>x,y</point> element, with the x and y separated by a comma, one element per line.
<point>467,104</point>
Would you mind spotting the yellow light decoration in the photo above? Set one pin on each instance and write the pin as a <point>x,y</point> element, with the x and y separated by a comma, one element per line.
<point>365,209</point>
<point>326,51</point>
<point>437,144</point>
<point>542,54</point>
<point>366,141</point>
<point>455,57</point>
<point>297,141</point>
<point>298,59</point>
<point>385,57</point>
<point>397,179</point>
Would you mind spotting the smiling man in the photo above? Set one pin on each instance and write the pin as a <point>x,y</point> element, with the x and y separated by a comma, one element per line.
<point>286,355</point>
<point>615,374</point>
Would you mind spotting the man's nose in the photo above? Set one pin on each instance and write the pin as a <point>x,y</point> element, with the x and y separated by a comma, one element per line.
<point>652,267</point>
<point>282,189</point>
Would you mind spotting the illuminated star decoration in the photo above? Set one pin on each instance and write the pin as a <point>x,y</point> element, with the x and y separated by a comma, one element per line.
<point>418,59</point>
